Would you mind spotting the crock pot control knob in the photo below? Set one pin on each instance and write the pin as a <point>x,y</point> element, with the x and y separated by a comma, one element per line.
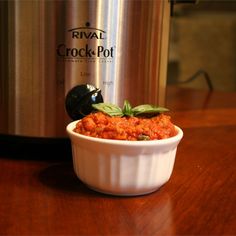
<point>79,100</point>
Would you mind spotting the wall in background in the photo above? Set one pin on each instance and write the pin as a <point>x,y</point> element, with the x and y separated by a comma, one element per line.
<point>203,36</point>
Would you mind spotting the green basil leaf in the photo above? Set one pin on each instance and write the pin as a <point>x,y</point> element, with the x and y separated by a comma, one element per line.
<point>109,109</point>
<point>148,109</point>
<point>114,110</point>
<point>127,109</point>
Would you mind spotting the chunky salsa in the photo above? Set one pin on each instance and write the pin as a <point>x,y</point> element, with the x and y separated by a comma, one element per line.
<point>104,126</point>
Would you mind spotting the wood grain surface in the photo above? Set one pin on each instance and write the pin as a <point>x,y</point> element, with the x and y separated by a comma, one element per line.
<point>40,197</point>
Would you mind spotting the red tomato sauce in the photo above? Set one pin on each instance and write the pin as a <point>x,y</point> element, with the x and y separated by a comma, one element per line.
<point>101,125</point>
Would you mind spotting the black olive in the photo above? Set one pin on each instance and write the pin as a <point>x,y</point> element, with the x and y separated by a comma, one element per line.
<point>79,100</point>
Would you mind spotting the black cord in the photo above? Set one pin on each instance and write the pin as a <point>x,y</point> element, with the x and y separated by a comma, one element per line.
<point>196,75</point>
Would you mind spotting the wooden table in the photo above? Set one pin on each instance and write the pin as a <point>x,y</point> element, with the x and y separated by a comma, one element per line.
<point>44,197</point>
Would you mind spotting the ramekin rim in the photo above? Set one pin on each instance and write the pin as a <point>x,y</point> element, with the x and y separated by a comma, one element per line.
<point>177,137</point>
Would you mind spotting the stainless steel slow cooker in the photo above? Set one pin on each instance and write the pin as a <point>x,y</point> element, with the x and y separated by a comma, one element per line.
<point>117,49</point>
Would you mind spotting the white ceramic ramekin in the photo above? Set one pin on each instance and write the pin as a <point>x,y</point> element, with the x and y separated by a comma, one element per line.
<point>123,167</point>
